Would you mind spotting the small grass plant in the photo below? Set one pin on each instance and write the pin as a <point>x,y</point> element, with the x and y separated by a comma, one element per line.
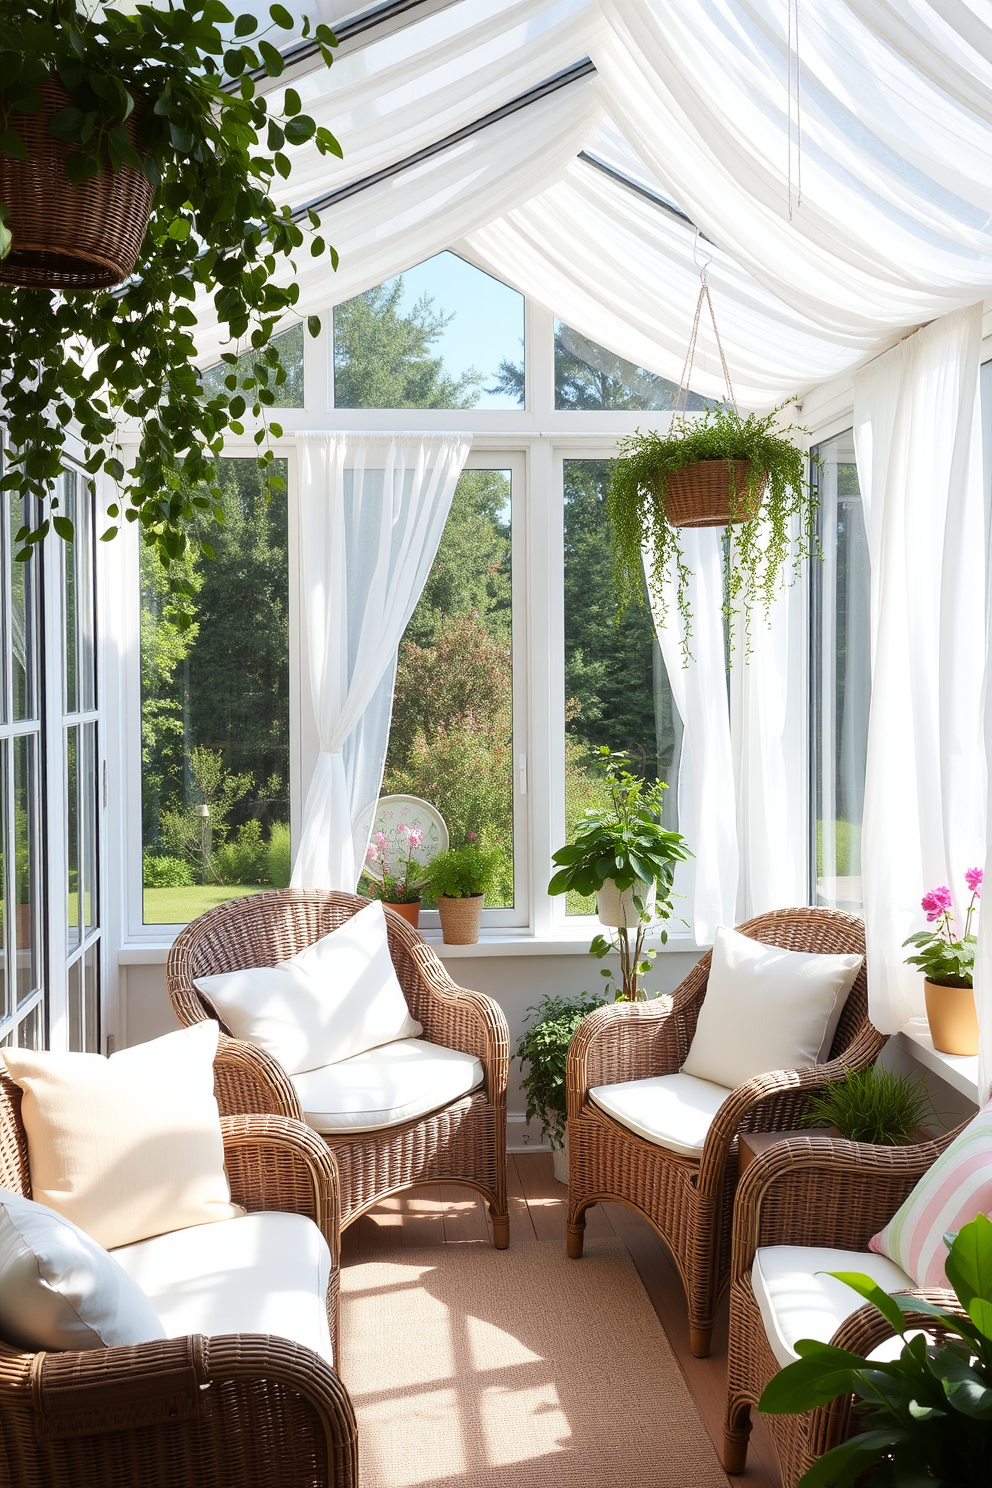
<point>873,1105</point>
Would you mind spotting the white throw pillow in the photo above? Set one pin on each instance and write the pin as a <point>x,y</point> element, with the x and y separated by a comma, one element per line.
<point>60,1290</point>
<point>128,1146</point>
<point>329,1002</point>
<point>766,1009</point>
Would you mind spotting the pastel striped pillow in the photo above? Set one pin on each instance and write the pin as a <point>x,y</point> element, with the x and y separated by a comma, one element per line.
<point>952,1192</point>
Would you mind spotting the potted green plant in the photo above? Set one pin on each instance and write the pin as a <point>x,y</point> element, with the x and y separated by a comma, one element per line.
<point>948,965</point>
<point>458,879</point>
<point>543,1052</point>
<point>718,470</point>
<point>873,1105</point>
<point>624,856</point>
<point>164,101</point>
<point>400,889</point>
<point>927,1416</point>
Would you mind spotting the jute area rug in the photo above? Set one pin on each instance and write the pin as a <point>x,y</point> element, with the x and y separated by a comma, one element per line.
<point>476,1368</point>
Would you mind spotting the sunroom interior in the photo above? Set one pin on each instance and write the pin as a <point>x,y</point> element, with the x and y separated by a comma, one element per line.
<point>531,196</point>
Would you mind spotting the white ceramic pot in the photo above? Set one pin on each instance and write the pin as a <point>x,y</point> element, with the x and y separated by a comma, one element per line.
<point>617,909</point>
<point>561,1162</point>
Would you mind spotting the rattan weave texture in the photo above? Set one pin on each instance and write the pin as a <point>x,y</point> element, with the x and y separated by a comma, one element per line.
<point>699,495</point>
<point>464,1142</point>
<point>68,235</point>
<point>690,1202</point>
<point>827,1193</point>
<point>233,1411</point>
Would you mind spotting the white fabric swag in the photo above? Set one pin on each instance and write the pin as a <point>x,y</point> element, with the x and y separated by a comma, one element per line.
<point>372,511</point>
<point>918,445</point>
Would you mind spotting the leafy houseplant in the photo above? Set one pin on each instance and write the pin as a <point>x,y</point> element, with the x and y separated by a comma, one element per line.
<point>948,965</point>
<point>770,473</point>
<point>872,1105</point>
<point>543,1051</point>
<point>458,879</point>
<point>624,851</point>
<point>161,92</point>
<point>927,1414</point>
<point>398,888</point>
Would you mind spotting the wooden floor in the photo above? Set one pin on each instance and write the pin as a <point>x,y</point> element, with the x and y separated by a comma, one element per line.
<point>446,1215</point>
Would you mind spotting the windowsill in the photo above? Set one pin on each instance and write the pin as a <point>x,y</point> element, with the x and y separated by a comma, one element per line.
<point>959,1070</point>
<point>492,943</point>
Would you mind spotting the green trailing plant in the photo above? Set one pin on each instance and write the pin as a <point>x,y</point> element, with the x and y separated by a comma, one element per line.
<point>872,1105</point>
<point>543,1052</point>
<point>462,872</point>
<point>755,552</point>
<point>212,143</point>
<point>625,842</point>
<point>927,1416</point>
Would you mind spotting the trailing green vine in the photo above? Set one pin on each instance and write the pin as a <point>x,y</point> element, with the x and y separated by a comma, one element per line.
<point>211,146</point>
<point>755,552</point>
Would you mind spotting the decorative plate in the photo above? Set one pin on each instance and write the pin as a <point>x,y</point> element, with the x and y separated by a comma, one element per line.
<point>394,817</point>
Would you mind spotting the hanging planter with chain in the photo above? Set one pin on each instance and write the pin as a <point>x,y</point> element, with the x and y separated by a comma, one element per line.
<point>719,470</point>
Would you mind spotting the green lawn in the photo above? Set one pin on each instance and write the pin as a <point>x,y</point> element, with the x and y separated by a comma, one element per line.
<point>179,906</point>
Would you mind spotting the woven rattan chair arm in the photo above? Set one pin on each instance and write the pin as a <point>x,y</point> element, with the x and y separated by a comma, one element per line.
<point>460,1018</point>
<point>824,1191</point>
<point>865,1329</point>
<point>622,1041</point>
<point>275,1163</point>
<point>248,1081</point>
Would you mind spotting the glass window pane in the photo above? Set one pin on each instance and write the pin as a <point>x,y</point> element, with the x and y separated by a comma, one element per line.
<point>841,676</point>
<point>70,567</point>
<point>215,714</point>
<point>27,884</point>
<point>442,335</point>
<point>72,833</point>
<point>23,621</point>
<point>616,685</point>
<point>31,1030</point>
<point>91,1022</point>
<point>451,740</point>
<point>588,376</point>
<point>289,393</point>
<point>6,929</point>
<point>76,1007</point>
<point>89,795</point>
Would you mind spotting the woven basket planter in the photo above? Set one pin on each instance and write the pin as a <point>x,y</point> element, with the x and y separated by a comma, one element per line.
<point>68,235</point>
<point>699,495</point>
<point>460,918</point>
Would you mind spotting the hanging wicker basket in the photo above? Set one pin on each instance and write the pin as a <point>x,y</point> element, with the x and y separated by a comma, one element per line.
<point>711,493</point>
<point>68,235</point>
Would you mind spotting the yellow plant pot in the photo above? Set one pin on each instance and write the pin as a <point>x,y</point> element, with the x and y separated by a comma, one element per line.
<point>460,918</point>
<point>952,1018</point>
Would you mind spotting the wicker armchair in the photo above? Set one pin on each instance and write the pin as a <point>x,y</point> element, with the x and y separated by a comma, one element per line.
<point>238,1411</point>
<point>464,1142</point>
<point>822,1193</point>
<point>688,1200</point>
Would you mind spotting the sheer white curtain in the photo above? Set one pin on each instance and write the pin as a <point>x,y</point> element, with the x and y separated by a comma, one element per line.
<point>372,510</point>
<point>918,443</point>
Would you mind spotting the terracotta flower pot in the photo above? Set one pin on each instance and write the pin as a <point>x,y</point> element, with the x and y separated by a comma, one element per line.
<point>952,1018</point>
<point>460,918</point>
<point>409,911</point>
<point>618,909</point>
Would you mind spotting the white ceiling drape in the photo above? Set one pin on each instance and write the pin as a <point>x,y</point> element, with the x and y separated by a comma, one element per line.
<point>841,173</point>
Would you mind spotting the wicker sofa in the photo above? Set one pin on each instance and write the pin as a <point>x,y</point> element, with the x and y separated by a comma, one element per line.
<point>815,1193</point>
<point>689,1200</point>
<point>462,1142</point>
<point>238,1410</point>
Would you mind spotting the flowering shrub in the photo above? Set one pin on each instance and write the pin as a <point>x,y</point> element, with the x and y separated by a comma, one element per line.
<point>394,887</point>
<point>944,960</point>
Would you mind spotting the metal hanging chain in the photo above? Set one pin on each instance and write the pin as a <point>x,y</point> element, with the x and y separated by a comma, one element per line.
<point>682,401</point>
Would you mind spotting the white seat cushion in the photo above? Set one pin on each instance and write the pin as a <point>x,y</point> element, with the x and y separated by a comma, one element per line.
<point>673,1111</point>
<point>262,1273</point>
<point>797,1303</point>
<point>383,1087</point>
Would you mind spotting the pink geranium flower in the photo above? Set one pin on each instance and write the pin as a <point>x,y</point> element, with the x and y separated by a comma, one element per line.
<point>973,878</point>
<point>937,902</point>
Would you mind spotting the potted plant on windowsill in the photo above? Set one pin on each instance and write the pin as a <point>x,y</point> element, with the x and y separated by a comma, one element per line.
<point>721,470</point>
<point>458,879</point>
<point>624,856</point>
<point>873,1105</point>
<point>543,1053</point>
<point>948,966</point>
<point>397,889</point>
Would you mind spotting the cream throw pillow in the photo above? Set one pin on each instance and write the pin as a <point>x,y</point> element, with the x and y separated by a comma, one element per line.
<point>766,1009</point>
<point>60,1290</point>
<point>329,1002</point>
<point>129,1146</point>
